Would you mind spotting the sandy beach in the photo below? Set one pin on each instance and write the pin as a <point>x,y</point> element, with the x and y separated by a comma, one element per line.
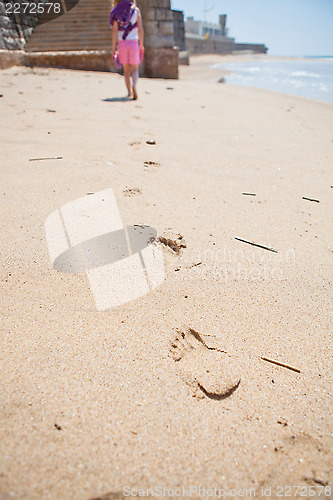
<point>170,390</point>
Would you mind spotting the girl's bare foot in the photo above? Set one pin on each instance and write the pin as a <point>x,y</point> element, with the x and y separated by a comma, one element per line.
<point>135,95</point>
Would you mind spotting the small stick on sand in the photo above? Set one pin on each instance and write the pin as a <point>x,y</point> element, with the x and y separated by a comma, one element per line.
<point>197,264</point>
<point>281,364</point>
<point>310,199</point>
<point>249,194</point>
<point>256,245</point>
<point>48,158</point>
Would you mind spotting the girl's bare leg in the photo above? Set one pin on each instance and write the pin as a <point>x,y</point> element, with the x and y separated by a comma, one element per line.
<point>135,77</point>
<point>127,75</point>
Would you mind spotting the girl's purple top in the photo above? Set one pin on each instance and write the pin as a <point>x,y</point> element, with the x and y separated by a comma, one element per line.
<point>122,14</point>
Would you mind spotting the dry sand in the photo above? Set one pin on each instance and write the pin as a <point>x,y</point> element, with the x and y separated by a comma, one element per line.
<point>169,390</point>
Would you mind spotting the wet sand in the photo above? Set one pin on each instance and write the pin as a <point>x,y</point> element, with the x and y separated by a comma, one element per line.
<point>169,390</point>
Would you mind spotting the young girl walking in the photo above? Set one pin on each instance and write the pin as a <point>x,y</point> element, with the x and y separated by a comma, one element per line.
<point>127,39</point>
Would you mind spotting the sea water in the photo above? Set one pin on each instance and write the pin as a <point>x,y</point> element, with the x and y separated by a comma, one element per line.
<point>311,78</point>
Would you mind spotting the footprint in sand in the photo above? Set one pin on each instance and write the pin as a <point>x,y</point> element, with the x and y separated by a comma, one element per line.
<point>151,164</point>
<point>132,191</point>
<point>174,242</point>
<point>113,495</point>
<point>207,370</point>
<point>304,461</point>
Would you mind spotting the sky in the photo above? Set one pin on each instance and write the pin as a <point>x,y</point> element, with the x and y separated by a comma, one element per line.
<point>286,27</point>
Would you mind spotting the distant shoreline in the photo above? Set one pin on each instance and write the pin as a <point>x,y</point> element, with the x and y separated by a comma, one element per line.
<point>304,77</point>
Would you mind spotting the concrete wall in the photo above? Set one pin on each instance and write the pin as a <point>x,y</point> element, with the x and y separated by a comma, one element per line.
<point>254,47</point>
<point>199,45</point>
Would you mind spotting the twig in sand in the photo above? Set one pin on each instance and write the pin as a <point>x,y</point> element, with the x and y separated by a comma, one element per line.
<point>47,158</point>
<point>281,364</point>
<point>249,194</point>
<point>310,199</point>
<point>196,264</point>
<point>256,245</point>
<point>315,480</point>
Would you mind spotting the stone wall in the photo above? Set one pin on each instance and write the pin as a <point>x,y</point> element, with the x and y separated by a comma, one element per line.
<point>10,58</point>
<point>161,54</point>
<point>15,29</point>
<point>179,29</point>
<point>87,60</point>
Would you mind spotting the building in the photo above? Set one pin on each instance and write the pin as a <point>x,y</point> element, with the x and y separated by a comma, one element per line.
<point>203,37</point>
<point>203,28</point>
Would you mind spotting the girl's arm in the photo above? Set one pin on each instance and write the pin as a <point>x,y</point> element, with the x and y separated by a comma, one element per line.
<point>114,37</point>
<point>140,29</point>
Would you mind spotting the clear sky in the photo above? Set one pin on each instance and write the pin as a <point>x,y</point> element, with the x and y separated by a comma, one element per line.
<point>286,27</point>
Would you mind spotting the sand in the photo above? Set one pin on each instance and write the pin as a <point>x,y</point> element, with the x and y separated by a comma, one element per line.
<point>169,390</point>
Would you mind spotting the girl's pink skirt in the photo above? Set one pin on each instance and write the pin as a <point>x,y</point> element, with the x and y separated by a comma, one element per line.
<point>128,52</point>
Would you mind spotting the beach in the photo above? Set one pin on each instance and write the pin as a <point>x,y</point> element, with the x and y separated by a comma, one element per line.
<point>170,390</point>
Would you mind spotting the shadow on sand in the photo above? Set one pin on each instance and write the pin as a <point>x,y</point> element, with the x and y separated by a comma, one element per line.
<point>117,99</point>
<point>106,249</point>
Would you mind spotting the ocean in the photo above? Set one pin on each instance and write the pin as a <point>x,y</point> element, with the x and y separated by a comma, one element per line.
<point>311,78</point>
